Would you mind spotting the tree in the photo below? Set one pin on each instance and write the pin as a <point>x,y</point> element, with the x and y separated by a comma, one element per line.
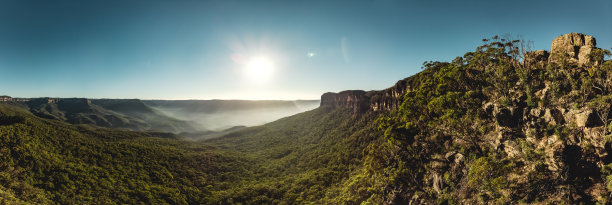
<point>601,105</point>
<point>601,76</point>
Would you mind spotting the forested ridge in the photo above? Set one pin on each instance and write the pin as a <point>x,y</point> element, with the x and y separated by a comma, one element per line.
<point>47,161</point>
<point>501,124</point>
<point>297,159</point>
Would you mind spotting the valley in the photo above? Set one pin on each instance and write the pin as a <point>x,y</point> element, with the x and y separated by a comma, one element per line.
<point>196,119</point>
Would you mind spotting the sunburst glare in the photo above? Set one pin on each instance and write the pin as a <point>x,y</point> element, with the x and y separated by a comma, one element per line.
<point>259,69</point>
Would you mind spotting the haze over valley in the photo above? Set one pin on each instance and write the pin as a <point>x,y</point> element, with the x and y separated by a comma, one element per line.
<point>223,114</point>
<point>196,119</point>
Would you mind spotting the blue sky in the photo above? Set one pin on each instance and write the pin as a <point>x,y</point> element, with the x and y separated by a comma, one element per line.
<point>189,49</point>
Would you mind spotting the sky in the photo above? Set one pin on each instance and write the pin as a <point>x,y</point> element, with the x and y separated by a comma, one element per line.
<point>285,50</point>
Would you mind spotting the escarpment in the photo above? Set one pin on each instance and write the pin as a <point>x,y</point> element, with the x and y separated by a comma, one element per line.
<point>361,101</point>
<point>571,48</point>
<point>355,99</point>
<point>526,126</point>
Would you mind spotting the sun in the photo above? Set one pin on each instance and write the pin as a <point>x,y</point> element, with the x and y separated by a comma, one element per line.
<point>259,69</point>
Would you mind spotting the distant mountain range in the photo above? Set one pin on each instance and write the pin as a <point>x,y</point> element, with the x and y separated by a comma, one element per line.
<point>192,118</point>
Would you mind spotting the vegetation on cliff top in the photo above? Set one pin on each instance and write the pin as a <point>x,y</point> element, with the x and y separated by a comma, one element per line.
<point>465,134</point>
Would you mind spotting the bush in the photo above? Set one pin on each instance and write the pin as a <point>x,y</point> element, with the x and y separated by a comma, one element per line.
<point>488,174</point>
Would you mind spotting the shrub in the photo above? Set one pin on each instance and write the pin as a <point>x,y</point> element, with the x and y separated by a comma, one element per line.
<point>488,174</point>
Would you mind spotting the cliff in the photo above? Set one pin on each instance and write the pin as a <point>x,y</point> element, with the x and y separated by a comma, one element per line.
<point>379,100</point>
<point>573,47</point>
<point>355,99</point>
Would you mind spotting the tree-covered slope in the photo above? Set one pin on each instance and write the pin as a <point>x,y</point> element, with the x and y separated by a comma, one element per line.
<point>48,161</point>
<point>301,159</point>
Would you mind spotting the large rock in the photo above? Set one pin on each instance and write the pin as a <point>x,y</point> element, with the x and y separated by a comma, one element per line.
<point>553,116</point>
<point>587,118</point>
<point>512,149</point>
<point>576,47</point>
<point>438,184</point>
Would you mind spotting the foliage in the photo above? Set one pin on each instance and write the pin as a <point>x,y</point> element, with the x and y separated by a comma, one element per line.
<point>488,174</point>
<point>46,160</point>
<point>306,158</point>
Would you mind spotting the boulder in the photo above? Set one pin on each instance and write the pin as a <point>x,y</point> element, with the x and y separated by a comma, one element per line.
<point>438,184</point>
<point>576,47</point>
<point>587,118</point>
<point>454,157</point>
<point>553,117</point>
<point>540,94</point>
<point>512,149</point>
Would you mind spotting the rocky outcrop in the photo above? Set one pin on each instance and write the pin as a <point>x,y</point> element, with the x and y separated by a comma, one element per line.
<point>574,46</point>
<point>354,99</point>
<point>536,58</point>
<point>555,140</point>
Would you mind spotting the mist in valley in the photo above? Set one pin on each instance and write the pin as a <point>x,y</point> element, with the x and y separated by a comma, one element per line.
<point>220,115</point>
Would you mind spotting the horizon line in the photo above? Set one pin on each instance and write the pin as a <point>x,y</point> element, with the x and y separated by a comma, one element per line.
<point>185,99</point>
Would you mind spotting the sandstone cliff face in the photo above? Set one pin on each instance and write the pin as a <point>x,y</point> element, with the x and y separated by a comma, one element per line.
<point>576,46</point>
<point>361,101</point>
<point>354,99</point>
<point>390,98</point>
